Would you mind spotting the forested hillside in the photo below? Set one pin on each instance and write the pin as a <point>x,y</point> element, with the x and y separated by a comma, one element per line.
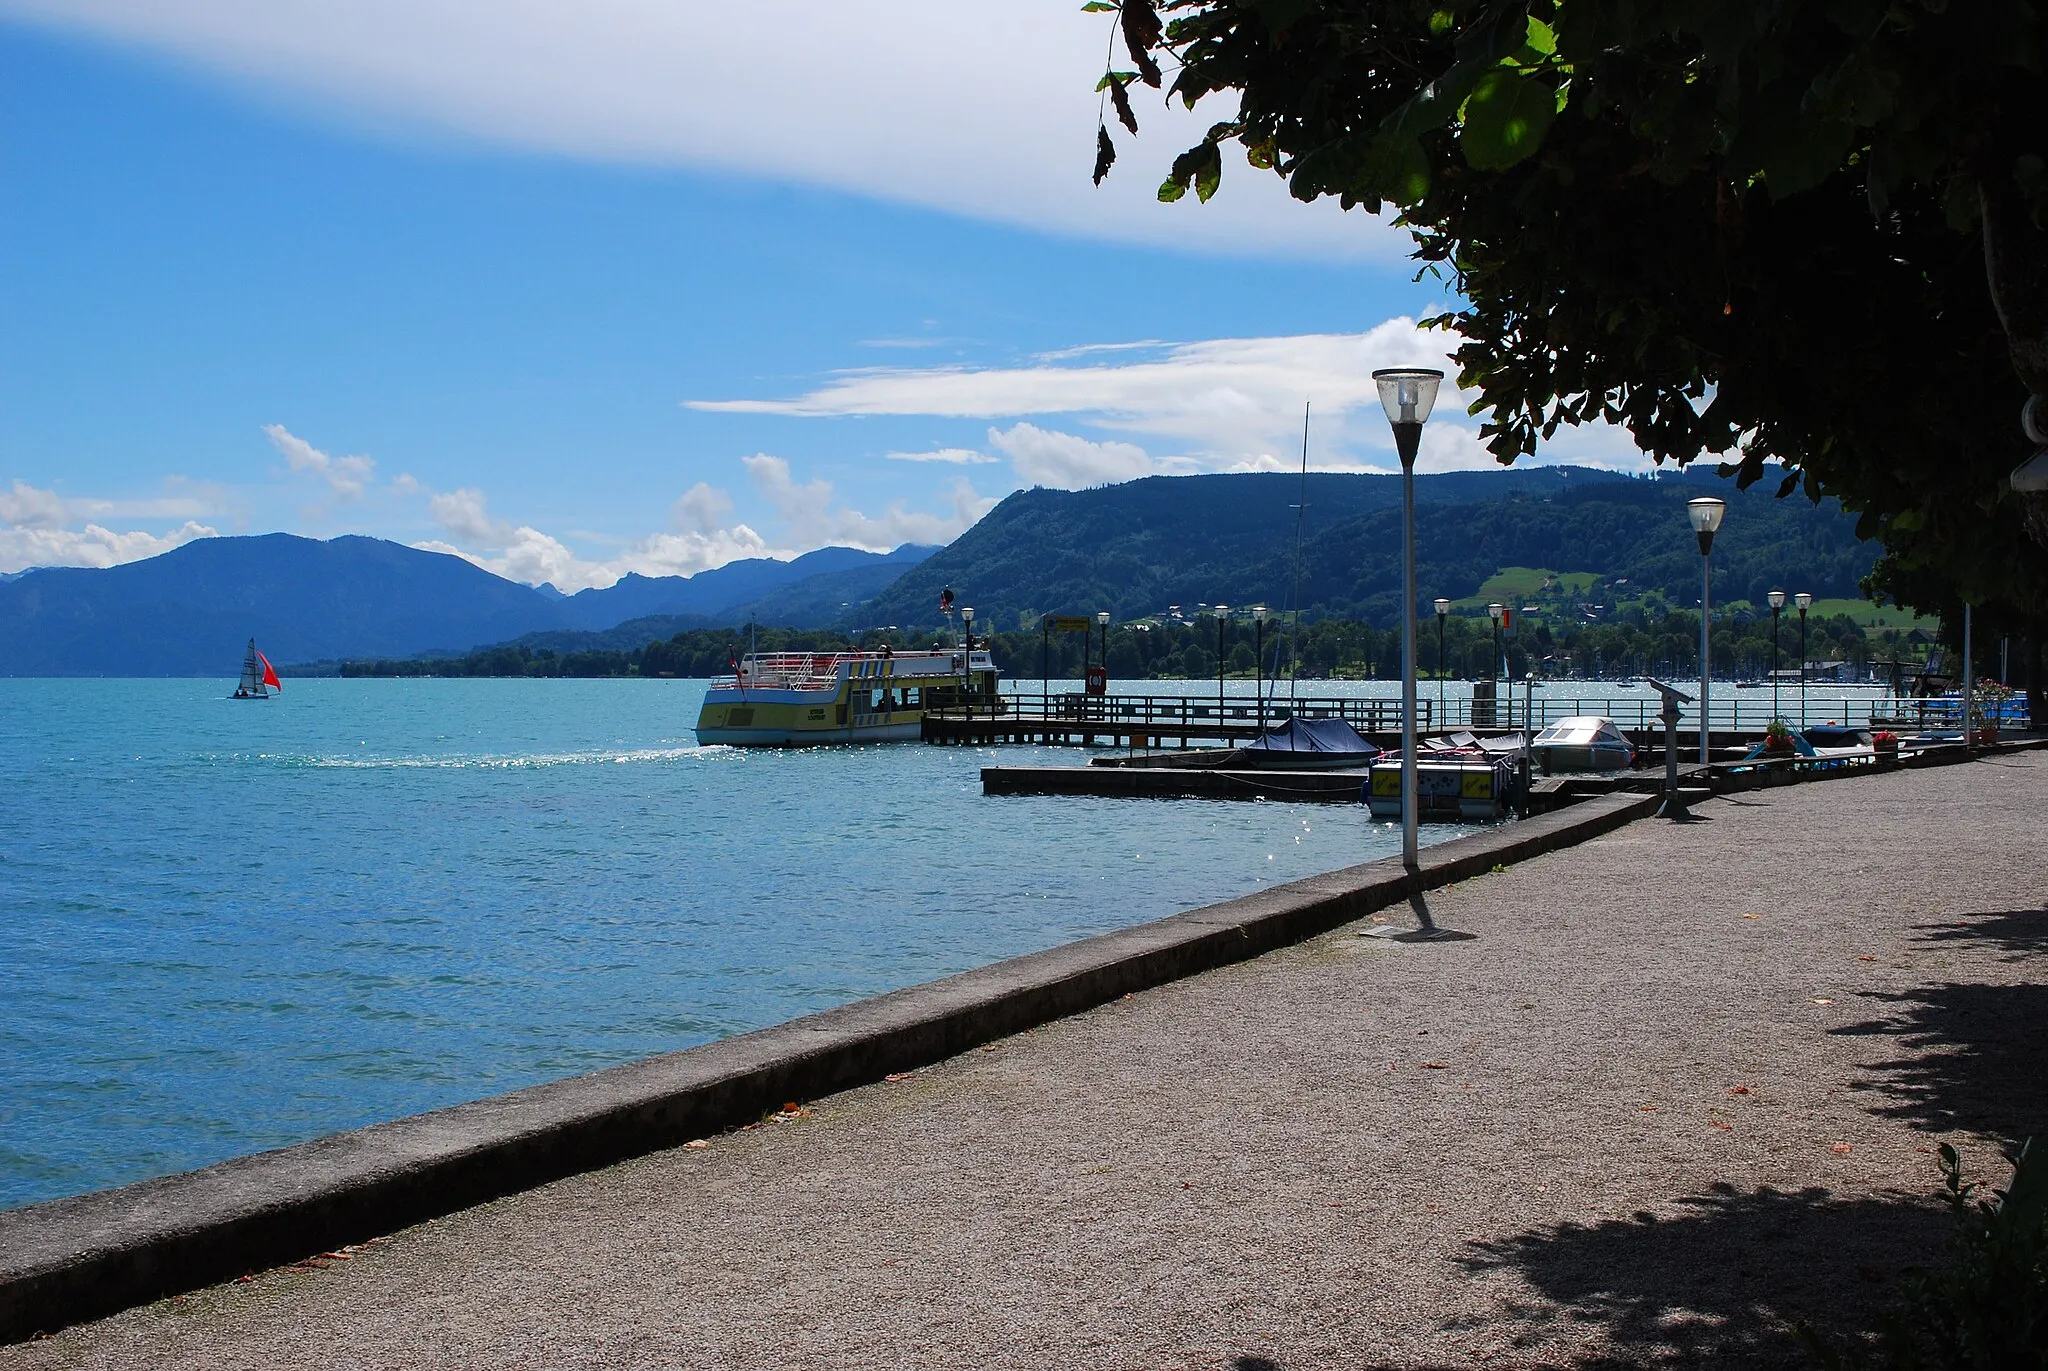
<point>1135,549</point>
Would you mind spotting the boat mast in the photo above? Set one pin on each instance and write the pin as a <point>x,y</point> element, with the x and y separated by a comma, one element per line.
<point>1294,595</point>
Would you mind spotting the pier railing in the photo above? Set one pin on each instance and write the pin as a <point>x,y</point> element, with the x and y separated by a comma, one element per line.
<point>1192,713</point>
<point>1730,710</point>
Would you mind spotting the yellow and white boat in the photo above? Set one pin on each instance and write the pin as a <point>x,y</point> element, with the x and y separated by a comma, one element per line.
<point>795,699</point>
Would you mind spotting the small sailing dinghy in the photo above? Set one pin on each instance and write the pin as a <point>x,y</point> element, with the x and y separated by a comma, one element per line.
<point>259,677</point>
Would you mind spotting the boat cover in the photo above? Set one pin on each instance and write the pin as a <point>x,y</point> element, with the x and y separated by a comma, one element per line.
<point>1313,735</point>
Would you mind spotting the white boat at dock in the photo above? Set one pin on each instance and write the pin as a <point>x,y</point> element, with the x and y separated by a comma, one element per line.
<point>796,699</point>
<point>1584,742</point>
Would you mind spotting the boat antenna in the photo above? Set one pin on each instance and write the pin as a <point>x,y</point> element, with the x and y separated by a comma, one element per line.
<point>1294,595</point>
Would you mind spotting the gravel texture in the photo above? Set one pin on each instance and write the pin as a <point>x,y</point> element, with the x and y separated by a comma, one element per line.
<point>1680,1090</point>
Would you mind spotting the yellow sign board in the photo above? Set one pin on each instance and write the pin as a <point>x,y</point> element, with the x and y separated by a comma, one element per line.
<point>1071,623</point>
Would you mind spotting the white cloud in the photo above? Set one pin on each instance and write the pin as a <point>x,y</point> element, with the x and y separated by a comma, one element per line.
<point>36,528</point>
<point>701,509</point>
<point>1046,457</point>
<point>1226,404</point>
<point>347,476</point>
<point>28,507</point>
<point>91,546</point>
<point>986,109</point>
<point>699,539</point>
<point>815,521</point>
<point>957,456</point>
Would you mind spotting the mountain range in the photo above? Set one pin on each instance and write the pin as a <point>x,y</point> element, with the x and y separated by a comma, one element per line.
<point>188,612</point>
<point>1134,549</point>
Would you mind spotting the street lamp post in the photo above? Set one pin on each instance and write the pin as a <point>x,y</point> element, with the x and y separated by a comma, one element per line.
<point>1494,612</point>
<point>1704,513</point>
<point>1102,622</point>
<point>1805,602</point>
<point>1259,662</point>
<point>1222,613</point>
<point>967,660</point>
<point>1408,394</point>
<point>1777,599</point>
<point>1443,607</point>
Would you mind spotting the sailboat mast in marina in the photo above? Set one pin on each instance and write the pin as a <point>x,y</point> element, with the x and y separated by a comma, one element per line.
<point>259,677</point>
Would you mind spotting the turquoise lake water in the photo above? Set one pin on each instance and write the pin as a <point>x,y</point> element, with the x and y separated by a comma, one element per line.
<point>228,926</point>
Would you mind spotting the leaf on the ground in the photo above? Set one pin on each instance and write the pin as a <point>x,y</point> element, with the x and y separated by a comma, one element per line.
<point>897,1076</point>
<point>1432,1066</point>
<point>1843,1149</point>
<point>1752,916</point>
<point>1647,1108</point>
<point>697,1142</point>
<point>1738,1090</point>
<point>1721,1123</point>
<point>1823,1001</point>
<point>1866,957</point>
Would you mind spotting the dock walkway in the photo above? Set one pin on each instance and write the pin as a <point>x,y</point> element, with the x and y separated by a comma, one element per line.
<point>1676,1092</point>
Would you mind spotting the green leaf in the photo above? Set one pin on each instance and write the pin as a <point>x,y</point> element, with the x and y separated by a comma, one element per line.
<point>1201,166</point>
<point>1098,7</point>
<point>1505,119</point>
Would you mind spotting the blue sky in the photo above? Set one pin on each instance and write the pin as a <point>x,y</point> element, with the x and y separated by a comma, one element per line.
<point>575,290</point>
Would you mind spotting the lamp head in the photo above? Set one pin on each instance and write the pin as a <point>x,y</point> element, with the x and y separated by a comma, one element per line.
<point>1777,599</point>
<point>1407,394</point>
<point>1443,607</point>
<point>1221,612</point>
<point>1704,513</point>
<point>1102,617</point>
<point>1494,611</point>
<point>1803,600</point>
<point>1259,613</point>
<point>967,613</point>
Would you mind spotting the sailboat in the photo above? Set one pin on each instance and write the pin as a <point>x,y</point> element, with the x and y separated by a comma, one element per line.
<point>259,677</point>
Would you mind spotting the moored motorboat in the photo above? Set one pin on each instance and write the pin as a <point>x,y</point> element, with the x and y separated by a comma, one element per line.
<point>1584,742</point>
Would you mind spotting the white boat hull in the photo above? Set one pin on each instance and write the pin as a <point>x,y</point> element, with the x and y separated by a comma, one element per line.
<point>806,737</point>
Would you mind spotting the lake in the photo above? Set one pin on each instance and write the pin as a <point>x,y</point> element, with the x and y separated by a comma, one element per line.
<point>228,926</point>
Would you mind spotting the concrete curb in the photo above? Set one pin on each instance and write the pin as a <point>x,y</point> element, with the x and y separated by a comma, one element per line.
<point>79,1258</point>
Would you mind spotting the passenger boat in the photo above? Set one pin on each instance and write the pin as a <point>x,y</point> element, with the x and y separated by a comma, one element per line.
<point>795,699</point>
<point>1584,742</point>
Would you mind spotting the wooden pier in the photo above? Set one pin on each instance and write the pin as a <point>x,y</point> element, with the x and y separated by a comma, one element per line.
<point>1153,721</point>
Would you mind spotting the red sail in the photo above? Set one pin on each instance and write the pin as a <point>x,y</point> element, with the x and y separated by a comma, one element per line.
<point>269,673</point>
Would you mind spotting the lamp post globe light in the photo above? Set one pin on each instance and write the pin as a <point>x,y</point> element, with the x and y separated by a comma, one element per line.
<point>1704,513</point>
<point>1777,599</point>
<point>1408,394</point>
<point>1259,661</point>
<point>1222,613</point>
<point>1443,607</point>
<point>1805,602</point>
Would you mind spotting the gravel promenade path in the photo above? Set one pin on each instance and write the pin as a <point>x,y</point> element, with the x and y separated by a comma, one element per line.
<point>1680,1089</point>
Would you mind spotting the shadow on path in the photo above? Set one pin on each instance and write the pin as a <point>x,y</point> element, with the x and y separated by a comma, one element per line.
<point>1969,1054</point>
<point>1722,1284</point>
<point>1970,1058</point>
<point>2019,933</point>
